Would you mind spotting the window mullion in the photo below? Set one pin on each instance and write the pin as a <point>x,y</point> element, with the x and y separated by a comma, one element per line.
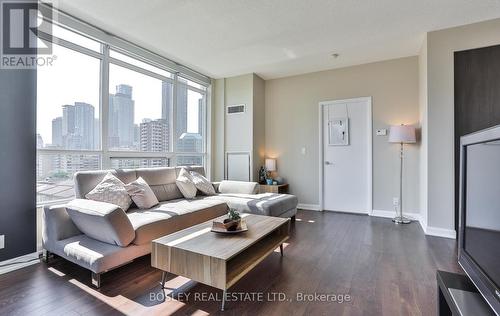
<point>173,122</point>
<point>104,94</point>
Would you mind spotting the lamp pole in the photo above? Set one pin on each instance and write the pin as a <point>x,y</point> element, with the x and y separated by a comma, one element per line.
<point>400,219</point>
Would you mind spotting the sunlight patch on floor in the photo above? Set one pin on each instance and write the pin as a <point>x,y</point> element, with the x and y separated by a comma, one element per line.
<point>56,272</point>
<point>129,307</point>
<point>304,221</point>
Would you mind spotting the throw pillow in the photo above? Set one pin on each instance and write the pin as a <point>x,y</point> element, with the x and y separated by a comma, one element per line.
<point>202,183</point>
<point>185,184</point>
<point>141,193</point>
<point>111,190</point>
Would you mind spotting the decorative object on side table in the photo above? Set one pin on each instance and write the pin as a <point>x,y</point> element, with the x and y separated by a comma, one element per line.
<point>402,134</point>
<point>262,175</point>
<point>279,180</point>
<point>230,225</point>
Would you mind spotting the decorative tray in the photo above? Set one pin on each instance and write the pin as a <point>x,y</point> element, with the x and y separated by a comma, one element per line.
<point>220,227</point>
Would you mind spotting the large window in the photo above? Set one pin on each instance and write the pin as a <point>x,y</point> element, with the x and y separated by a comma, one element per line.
<point>136,120</point>
<point>152,117</point>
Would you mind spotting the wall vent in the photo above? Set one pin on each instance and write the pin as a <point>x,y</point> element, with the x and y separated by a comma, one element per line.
<point>235,109</point>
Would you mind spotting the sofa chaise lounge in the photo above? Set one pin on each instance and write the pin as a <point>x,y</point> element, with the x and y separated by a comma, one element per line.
<point>136,228</point>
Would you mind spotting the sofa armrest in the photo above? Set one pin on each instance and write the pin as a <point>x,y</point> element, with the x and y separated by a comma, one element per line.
<point>56,225</point>
<point>102,221</point>
<point>242,187</point>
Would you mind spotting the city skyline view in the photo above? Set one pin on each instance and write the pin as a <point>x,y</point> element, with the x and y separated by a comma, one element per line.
<point>139,119</point>
<point>74,77</point>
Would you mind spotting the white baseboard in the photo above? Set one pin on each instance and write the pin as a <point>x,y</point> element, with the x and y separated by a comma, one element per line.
<point>440,232</point>
<point>391,214</point>
<point>383,213</point>
<point>428,230</point>
<point>19,262</point>
<point>311,207</point>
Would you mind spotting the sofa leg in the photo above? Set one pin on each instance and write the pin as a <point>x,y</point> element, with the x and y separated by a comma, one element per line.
<point>292,219</point>
<point>46,255</point>
<point>96,280</point>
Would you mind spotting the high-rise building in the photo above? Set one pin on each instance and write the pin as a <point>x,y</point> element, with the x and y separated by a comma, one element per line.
<point>68,119</point>
<point>39,141</point>
<point>85,121</point>
<point>154,138</point>
<point>137,136</point>
<point>65,165</point>
<point>57,139</point>
<point>154,135</point>
<point>190,143</point>
<point>121,118</point>
<point>78,126</point>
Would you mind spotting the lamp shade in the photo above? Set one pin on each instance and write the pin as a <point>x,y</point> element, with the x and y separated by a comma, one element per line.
<point>271,164</point>
<point>402,134</point>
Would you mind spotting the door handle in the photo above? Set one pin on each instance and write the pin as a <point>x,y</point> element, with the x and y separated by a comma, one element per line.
<point>328,163</point>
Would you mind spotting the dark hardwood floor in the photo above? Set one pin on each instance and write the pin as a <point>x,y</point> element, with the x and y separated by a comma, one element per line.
<point>386,270</point>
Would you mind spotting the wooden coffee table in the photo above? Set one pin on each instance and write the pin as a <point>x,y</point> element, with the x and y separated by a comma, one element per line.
<point>215,259</point>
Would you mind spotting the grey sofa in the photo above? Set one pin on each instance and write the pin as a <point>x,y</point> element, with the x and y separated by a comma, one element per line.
<point>62,237</point>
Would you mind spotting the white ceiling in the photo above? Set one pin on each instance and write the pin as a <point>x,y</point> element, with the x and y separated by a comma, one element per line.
<point>277,38</point>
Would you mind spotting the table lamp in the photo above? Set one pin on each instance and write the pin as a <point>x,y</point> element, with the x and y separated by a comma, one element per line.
<point>270,167</point>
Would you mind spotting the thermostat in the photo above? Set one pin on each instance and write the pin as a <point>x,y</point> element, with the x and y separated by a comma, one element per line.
<point>381,132</point>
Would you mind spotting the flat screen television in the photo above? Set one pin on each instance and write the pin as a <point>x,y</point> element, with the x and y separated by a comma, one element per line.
<point>479,233</point>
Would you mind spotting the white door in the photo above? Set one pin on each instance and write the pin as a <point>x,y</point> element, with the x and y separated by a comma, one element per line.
<point>347,155</point>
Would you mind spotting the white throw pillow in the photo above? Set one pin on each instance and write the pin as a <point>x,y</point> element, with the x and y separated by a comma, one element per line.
<point>111,190</point>
<point>202,183</point>
<point>141,193</point>
<point>185,184</point>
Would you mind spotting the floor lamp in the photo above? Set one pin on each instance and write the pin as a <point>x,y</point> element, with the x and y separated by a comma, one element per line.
<point>402,134</point>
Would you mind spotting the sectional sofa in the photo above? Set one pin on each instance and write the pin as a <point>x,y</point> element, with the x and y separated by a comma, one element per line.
<point>118,237</point>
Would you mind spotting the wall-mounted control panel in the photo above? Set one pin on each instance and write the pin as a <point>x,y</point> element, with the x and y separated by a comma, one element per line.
<point>382,132</point>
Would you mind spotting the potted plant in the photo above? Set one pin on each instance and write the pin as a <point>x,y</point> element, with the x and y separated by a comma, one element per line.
<point>233,220</point>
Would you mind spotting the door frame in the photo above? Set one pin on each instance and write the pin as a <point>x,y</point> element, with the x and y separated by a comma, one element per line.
<point>369,160</point>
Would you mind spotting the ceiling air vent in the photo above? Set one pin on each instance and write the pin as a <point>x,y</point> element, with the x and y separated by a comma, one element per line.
<point>235,109</point>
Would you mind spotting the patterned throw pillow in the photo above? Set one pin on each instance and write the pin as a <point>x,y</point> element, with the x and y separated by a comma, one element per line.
<point>111,190</point>
<point>185,183</point>
<point>202,183</point>
<point>141,193</point>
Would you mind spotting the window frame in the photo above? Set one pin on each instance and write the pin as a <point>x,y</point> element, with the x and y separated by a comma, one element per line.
<point>105,154</point>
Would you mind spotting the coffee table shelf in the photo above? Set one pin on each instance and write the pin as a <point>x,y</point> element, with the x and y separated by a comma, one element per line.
<point>239,265</point>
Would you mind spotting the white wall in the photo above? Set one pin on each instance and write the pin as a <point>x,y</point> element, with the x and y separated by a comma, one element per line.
<point>440,113</point>
<point>292,123</point>
<point>243,133</point>
<point>259,125</point>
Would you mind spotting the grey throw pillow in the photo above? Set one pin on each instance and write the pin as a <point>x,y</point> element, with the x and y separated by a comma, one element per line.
<point>202,183</point>
<point>111,190</point>
<point>141,193</point>
<point>185,184</point>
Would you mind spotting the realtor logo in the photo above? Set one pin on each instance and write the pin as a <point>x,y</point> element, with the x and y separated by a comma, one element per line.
<point>25,34</point>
